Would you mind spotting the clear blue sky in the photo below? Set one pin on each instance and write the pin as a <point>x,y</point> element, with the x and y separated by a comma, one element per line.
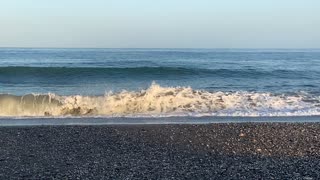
<point>160,23</point>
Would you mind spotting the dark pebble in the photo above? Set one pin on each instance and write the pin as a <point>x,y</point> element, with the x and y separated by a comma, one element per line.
<point>212,151</point>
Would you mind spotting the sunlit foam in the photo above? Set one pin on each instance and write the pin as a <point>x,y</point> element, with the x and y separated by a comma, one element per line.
<point>157,101</point>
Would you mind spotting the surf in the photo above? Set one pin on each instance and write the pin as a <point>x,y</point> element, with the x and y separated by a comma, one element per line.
<point>157,101</point>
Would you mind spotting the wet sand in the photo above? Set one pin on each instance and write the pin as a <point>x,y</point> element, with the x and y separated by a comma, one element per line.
<point>203,151</point>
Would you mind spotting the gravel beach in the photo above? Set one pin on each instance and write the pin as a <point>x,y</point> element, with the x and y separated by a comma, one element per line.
<point>207,151</point>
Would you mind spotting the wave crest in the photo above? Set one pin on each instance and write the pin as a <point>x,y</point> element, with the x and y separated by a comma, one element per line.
<point>161,101</point>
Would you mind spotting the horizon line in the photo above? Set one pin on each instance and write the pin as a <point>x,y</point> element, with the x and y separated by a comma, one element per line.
<point>53,47</point>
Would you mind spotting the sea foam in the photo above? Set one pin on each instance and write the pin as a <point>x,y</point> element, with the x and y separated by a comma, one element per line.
<point>160,101</point>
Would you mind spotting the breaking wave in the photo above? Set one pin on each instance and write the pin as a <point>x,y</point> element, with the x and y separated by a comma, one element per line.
<point>161,101</point>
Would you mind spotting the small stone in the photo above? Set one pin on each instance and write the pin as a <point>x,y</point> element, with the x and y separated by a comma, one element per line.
<point>241,134</point>
<point>307,178</point>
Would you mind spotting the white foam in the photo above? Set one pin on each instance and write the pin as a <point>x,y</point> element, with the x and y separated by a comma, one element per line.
<point>157,101</point>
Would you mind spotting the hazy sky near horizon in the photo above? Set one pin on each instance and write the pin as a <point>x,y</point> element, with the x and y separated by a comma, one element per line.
<point>163,23</point>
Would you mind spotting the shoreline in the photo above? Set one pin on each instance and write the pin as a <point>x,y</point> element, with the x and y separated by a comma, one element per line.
<point>163,151</point>
<point>101,121</point>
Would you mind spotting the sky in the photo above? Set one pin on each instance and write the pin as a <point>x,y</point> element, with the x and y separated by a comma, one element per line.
<point>160,23</point>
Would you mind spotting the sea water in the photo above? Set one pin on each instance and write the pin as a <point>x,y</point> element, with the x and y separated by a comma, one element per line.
<point>152,83</point>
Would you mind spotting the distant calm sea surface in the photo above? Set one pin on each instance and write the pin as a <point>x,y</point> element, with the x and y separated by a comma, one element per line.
<point>159,82</point>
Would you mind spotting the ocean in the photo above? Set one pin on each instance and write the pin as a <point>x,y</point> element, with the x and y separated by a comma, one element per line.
<point>151,83</point>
